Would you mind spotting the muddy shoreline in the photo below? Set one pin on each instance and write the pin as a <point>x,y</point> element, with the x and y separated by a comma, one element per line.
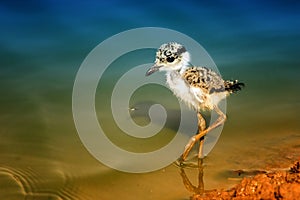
<point>278,184</point>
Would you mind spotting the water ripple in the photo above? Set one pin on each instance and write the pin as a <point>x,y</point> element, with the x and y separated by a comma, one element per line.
<point>32,185</point>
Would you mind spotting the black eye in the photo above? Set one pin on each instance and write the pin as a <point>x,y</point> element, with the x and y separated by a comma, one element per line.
<point>170,59</point>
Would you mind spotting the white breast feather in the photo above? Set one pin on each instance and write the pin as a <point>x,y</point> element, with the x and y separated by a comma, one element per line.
<point>183,91</point>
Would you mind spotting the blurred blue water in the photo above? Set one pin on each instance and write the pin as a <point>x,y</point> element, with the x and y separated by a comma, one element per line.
<point>55,32</point>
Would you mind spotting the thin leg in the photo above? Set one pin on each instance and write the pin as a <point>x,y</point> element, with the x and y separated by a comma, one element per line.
<point>201,127</point>
<point>201,122</point>
<point>194,139</point>
<point>201,144</point>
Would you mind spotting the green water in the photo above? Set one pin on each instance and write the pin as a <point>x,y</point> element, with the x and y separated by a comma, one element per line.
<point>42,156</point>
<point>42,46</point>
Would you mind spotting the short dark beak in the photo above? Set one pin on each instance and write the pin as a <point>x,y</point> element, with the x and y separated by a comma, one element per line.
<point>153,69</point>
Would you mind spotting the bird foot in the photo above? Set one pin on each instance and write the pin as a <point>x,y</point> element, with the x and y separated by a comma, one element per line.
<point>194,162</point>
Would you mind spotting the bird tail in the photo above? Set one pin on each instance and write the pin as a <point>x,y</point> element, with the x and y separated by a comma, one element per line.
<point>233,86</point>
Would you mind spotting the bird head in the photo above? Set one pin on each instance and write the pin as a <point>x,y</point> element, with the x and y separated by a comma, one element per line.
<point>170,57</point>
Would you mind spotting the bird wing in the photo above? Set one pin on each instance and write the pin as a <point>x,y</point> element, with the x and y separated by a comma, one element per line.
<point>205,79</point>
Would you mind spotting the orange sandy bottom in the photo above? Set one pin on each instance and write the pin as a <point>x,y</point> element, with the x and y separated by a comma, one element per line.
<point>271,185</point>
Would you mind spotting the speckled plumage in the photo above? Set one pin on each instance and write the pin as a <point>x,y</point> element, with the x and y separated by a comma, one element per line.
<point>204,78</point>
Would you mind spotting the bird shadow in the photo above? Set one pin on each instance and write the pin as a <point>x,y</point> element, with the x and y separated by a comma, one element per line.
<point>141,110</point>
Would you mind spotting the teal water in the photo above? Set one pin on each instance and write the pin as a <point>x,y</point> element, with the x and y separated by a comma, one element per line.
<point>42,46</point>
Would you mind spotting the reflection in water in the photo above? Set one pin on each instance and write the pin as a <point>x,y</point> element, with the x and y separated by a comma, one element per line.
<point>194,189</point>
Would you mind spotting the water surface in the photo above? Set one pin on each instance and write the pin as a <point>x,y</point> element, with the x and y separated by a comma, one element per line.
<point>42,46</point>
